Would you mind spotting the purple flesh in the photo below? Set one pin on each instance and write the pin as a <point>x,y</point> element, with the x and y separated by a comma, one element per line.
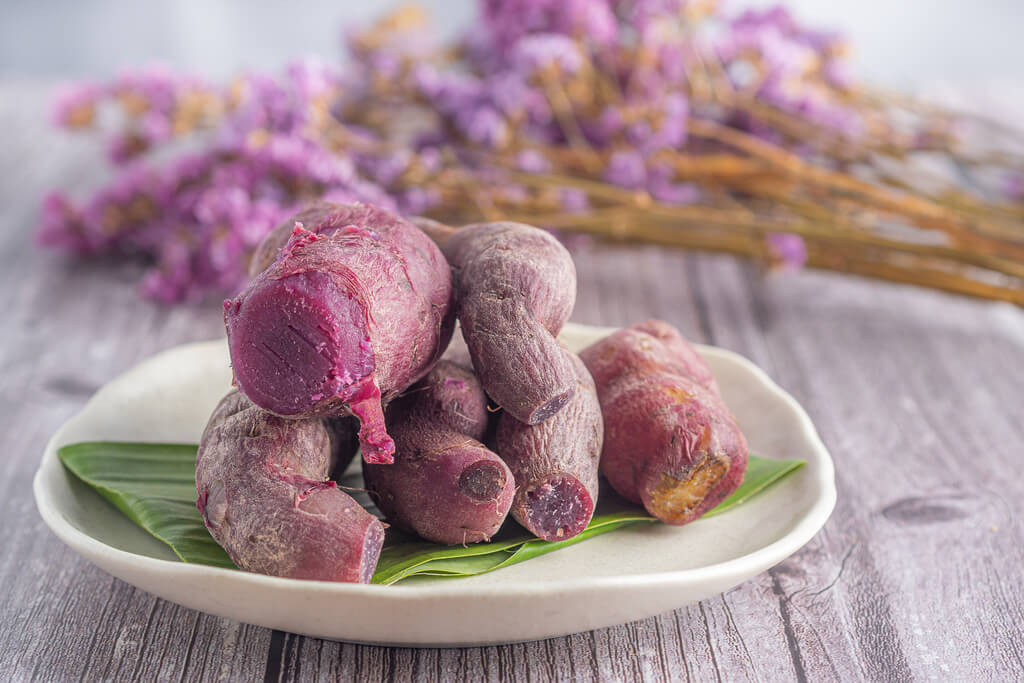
<point>555,462</point>
<point>483,481</point>
<point>295,343</point>
<point>558,508</point>
<point>353,306</point>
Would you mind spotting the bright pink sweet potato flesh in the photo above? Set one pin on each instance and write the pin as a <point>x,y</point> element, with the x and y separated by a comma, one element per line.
<point>444,485</point>
<point>350,311</point>
<point>555,463</point>
<point>264,493</point>
<point>670,443</point>
<point>515,288</point>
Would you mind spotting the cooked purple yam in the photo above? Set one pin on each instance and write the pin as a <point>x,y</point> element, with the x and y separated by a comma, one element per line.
<point>652,343</point>
<point>450,396</point>
<point>555,463</point>
<point>670,442</point>
<point>444,485</point>
<point>355,308</point>
<point>270,248</point>
<point>264,494</point>
<point>515,288</point>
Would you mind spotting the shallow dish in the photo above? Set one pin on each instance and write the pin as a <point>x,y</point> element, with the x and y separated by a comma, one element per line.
<point>629,574</point>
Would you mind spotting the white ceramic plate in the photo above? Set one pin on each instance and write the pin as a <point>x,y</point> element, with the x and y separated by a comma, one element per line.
<point>629,574</point>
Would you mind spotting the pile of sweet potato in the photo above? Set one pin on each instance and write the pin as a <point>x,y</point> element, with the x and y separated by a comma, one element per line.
<point>336,346</point>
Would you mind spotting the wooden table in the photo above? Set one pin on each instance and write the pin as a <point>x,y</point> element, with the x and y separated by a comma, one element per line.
<point>918,395</point>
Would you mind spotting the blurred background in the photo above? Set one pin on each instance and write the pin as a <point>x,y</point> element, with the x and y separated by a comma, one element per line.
<point>905,44</point>
<point>601,105</point>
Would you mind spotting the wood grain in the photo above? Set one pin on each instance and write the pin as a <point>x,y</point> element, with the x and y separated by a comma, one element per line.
<point>918,396</point>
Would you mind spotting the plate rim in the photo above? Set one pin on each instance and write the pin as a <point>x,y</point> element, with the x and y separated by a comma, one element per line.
<point>768,556</point>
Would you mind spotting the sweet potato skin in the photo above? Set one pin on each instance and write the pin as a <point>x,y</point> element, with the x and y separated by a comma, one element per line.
<point>270,248</point>
<point>670,443</point>
<point>264,493</point>
<point>515,288</point>
<point>444,485</point>
<point>650,344</point>
<point>555,463</point>
<point>351,310</point>
<point>450,396</point>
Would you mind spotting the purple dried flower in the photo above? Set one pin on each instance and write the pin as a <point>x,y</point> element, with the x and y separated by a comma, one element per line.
<point>312,78</point>
<point>417,200</point>
<point>786,251</point>
<point>663,186</point>
<point>61,224</point>
<point>605,128</point>
<point>506,22</point>
<point>154,127</point>
<point>675,110</point>
<point>385,168</point>
<point>123,147</point>
<point>837,74</point>
<point>573,200</point>
<point>153,89</point>
<point>626,168</point>
<point>675,193</point>
<point>268,144</point>
<point>74,105</point>
<point>1013,186</point>
<point>640,14</point>
<point>673,61</point>
<point>638,133</point>
<point>485,126</point>
<point>532,161</point>
<point>446,87</point>
<point>539,51</point>
<point>431,160</point>
<point>169,281</point>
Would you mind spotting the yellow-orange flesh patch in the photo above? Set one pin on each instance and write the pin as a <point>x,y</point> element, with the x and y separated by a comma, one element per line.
<point>673,499</point>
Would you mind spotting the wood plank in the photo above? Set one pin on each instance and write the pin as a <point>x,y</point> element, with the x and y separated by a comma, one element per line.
<point>881,369</point>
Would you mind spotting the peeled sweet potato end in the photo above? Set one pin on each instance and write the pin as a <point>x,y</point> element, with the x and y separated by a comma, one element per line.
<point>674,500</point>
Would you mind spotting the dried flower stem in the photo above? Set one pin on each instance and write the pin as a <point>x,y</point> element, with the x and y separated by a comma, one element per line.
<point>630,226</point>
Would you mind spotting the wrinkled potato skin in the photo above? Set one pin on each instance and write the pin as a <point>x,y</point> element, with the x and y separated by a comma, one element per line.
<point>264,493</point>
<point>670,443</point>
<point>515,287</point>
<point>444,484</point>
<point>565,446</point>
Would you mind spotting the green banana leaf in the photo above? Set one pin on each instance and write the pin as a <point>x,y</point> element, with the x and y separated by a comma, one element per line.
<point>154,485</point>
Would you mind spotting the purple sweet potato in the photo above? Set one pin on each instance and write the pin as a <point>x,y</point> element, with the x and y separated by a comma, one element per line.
<point>673,353</point>
<point>351,310</point>
<point>555,463</point>
<point>444,485</point>
<point>270,248</point>
<point>265,496</point>
<point>515,288</point>
<point>670,443</point>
